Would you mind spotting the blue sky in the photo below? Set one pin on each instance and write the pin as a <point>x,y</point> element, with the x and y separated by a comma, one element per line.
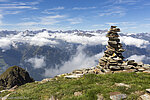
<point>129,15</point>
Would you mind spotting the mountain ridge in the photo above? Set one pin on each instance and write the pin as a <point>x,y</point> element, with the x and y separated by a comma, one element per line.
<point>61,47</point>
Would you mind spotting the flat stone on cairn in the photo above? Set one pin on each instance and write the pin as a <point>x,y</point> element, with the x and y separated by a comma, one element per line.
<point>113,57</point>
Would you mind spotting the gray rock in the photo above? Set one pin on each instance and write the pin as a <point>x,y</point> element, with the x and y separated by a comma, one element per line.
<point>145,97</point>
<point>122,84</point>
<point>117,96</point>
<point>46,80</point>
<point>77,71</point>
<point>148,90</point>
<point>146,71</point>
<point>100,97</point>
<point>91,71</point>
<point>140,64</point>
<point>114,67</point>
<point>125,67</point>
<point>74,76</point>
<point>77,93</point>
<point>141,69</point>
<point>147,66</point>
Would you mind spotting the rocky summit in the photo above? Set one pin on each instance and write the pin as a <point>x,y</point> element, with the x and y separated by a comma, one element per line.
<point>113,60</point>
<point>14,76</point>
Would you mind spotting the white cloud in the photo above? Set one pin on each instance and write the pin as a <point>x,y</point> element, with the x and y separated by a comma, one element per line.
<point>11,12</point>
<point>84,40</point>
<point>57,8</point>
<point>83,8</point>
<point>111,24</point>
<point>37,62</point>
<point>39,39</point>
<point>134,41</point>
<point>78,61</point>
<point>14,8</point>
<point>126,1</point>
<point>18,7</point>
<point>52,10</point>
<point>75,20</point>
<point>1,16</point>
<point>50,20</point>
<point>113,11</point>
<point>137,58</point>
<point>49,12</point>
<point>45,20</point>
<point>5,43</point>
<point>51,39</point>
<point>53,17</point>
<point>27,23</point>
<point>18,3</point>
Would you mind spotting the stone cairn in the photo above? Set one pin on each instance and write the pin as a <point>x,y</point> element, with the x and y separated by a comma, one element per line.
<point>113,57</point>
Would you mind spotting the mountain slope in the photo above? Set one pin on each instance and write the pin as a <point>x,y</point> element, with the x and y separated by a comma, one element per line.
<point>86,88</point>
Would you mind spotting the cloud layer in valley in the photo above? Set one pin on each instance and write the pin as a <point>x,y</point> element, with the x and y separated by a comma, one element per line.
<point>37,62</point>
<point>78,61</point>
<point>51,39</point>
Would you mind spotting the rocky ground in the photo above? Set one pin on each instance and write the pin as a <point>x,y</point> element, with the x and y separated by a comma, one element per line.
<point>127,67</point>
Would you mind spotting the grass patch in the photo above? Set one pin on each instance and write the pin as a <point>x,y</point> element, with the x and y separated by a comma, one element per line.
<point>4,94</point>
<point>90,85</point>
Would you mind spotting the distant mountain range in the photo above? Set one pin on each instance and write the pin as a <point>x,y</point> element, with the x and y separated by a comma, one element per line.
<point>46,53</point>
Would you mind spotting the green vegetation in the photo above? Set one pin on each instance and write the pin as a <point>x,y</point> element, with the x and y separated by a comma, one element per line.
<point>90,85</point>
<point>4,94</point>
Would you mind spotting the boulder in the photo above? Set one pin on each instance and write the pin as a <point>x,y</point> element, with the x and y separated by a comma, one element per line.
<point>132,62</point>
<point>148,90</point>
<point>140,64</point>
<point>122,84</point>
<point>100,97</point>
<point>117,96</point>
<point>141,69</point>
<point>77,93</point>
<point>74,76</point>
<point>147,66</point>
<point>146,71</point>
<point>14,76</point>
<point>145,97</point>
<point>114,67</point>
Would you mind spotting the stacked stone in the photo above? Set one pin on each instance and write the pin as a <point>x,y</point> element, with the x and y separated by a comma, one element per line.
<point>113,57</point>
